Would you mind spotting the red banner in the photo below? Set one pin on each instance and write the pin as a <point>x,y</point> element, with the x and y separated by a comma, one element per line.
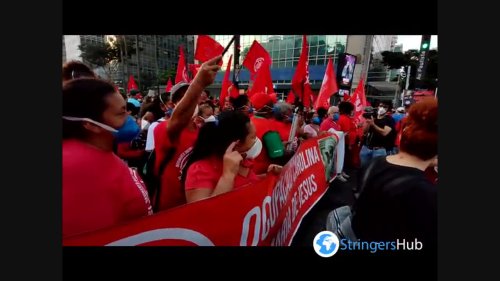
<point>266,214</point>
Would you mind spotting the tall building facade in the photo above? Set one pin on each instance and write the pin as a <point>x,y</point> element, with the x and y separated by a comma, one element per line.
<point>157,54</point>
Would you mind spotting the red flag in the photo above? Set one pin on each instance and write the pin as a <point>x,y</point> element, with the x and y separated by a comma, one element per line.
<point>182,74</point>
<point>207,48</point>
<point>328,87</point>
<point>359,99</point>
<point>194,69</point>
<point>263,82</point>
<point>131,84</point>
<point>225,84</point>
<point>256,57</point>
<point>234,92</point>
<point>300,81</point>
<point>290,98</point>
<point>169,85</point>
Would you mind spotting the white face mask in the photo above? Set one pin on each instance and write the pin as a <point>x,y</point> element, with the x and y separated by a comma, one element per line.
<point>144,124</point>
<point>104,126</point>
<point>210,118</point>
<point>255,150</point>
<point>381,111</point>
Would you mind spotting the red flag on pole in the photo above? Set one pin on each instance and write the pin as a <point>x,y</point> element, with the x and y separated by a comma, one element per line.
<point>263,81</point>
<point>225,84</point>
<point>359,99</point>
<point>256,57</point>
<point>169,85</point>
<point>207,48</point>
<point>131,84</point>
<point>300,81</point>
<point>182,74</point>
<point>290,99</point>
<point>328,87</point>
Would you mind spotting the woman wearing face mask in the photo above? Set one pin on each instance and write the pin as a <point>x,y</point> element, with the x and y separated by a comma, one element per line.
<point>99,190</point>
<point>312,129</point>
<point>221,157</point>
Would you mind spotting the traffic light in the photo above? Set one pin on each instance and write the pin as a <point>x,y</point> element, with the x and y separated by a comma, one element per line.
<point>426,42</point>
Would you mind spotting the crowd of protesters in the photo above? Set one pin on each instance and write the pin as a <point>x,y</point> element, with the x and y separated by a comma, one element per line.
<point>128,156</point>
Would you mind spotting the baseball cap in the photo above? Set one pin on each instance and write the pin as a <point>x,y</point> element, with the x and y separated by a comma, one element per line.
<point>259,100</point>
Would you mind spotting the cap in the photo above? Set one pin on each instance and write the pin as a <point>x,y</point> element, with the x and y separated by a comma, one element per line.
<point>259,100</point>
<point>177,87</point>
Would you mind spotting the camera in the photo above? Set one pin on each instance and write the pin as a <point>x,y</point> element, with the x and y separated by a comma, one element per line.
<point>368,115</point>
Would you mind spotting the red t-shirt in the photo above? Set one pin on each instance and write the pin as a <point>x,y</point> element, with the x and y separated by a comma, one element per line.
<point>172,193</point>
<point>328,124</point>
<point>262,126</point>
<point>207,172</point>
<point>99,190</point>
<point>282,128</point>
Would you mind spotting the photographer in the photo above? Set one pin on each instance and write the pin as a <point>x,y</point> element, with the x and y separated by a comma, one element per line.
<point>377,133</point>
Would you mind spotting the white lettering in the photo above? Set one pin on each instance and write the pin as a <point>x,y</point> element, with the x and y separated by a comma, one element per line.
<point>246,227</point>
<point>266,222</point>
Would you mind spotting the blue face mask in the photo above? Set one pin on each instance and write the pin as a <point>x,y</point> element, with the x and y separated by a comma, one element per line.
<point>290,119</point>
<point>336,116</point>
<point>316,121</point>
<point>250,110</point>
<point>169,112</point>
<point>128,131</point>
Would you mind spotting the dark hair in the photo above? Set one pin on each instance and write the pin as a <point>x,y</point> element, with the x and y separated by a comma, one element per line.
<point>179,94</point>
<point>239,101</point>
<point>346,107</point>
<point>420,135</point>
<point>214,138</point>
<point>134,110</point>
<point>322,112</point>
<point>76,69</point>
<point>85,98</point>
<point>155,107</point>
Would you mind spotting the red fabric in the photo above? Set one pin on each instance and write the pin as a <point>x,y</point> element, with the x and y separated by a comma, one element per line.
<point>282,128</point>
<point>262,126</point>
<point>273,97</point>
<point>300,80</point>
<point>359,99</point>
<point>194,68</point>
<point>124,151</point>
<point>344,123</point>
<point>259,100</point>
<point>207,172</point>
<point>131,84</point>
<point>225,84</point>
<point>182,74</point>
<point>99,190</point>
<point>234,92</point>
<point>207,48</point>
<point>290,99</point>
<point>169,85</point>
<point>353,132</point>
<point>328,124</point>
<point>263,81</point>
<point>172,193</point>
<point>256,57</point>
<point>328,87</point>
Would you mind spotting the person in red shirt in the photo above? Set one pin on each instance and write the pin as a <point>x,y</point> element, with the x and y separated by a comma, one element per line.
<point>283,117</point>
<point>174,138</point>
<point>263,125</point>
<point>331,121</point>
<point>346,110</point>
<point>99,190</point>
<point>221,158</point>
